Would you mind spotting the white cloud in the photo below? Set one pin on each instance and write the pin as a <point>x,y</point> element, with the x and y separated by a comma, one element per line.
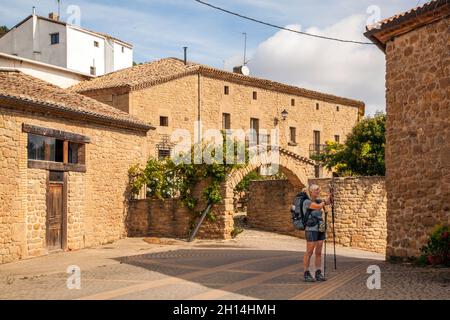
<point>349,70</point>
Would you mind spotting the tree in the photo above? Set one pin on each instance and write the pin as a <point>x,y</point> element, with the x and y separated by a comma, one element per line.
<point>363,152</point>
<point>3,30</point>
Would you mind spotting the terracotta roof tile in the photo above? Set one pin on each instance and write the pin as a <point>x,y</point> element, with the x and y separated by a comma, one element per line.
<point>148,74</point>
<point>17,86</point>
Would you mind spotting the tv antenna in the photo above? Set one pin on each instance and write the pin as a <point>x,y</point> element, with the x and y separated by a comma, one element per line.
<point>59,7</point>
<point>245,47</point>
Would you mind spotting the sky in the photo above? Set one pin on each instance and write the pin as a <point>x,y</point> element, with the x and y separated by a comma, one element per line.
<point>161,28</point>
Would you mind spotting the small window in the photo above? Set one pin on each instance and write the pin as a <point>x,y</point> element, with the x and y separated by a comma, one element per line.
<point>56,176</point>
<point>93,71</point>
<point>54,38</point>
<point>163,153</point>
<point>96,44</point>
<point>163,121</point>
<point>337,138</point>
<point>226,121</point>
<point>292,102</point>
<point>255,95</point>
<point>337,108</point>
<point>226,90</point>
<point>123,49</point>
<point>292,135</point>
<point>317,106</point>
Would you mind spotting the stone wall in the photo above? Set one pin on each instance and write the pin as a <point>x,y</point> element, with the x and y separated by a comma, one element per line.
<point>360,210</point>
<point>96,200</point>
<point>158,218</point>
<point>417,136</point>
<point>169,218</point>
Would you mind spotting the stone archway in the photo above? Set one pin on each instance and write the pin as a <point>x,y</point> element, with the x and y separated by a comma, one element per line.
<point>296,168</point>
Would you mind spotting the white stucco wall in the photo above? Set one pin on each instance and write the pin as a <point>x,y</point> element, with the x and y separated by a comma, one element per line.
<point>19,41</point>
<point>23,42</point>
<point>51,53</point>
<point>122,59</point>
<point>81,52</point>
<point>109,55</point>
<point>54,75</point>
<point>75,50</point>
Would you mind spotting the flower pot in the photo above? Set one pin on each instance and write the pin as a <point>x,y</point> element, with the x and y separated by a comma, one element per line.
<point>434,260</point>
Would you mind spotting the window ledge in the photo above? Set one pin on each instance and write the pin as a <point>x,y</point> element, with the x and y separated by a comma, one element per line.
<point>57,166</point>
<point>292,144</point>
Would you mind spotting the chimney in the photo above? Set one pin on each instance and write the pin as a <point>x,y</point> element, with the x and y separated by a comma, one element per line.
<point>34,10</point>
<point>53,16</point>
<point>185,55</point>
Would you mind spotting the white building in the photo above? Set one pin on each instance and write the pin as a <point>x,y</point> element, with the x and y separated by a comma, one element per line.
<point>51,41</point>
<point>58,76</point>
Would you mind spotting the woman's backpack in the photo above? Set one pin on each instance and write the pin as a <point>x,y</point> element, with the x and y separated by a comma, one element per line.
<point>299,218</point>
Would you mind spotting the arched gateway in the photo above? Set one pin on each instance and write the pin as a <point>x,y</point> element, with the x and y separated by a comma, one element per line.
<point>296,168</point>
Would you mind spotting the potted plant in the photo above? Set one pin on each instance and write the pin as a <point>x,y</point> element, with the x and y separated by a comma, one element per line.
<point>437,250</point>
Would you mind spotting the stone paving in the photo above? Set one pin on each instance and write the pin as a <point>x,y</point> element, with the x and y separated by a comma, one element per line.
<point>255,265</point>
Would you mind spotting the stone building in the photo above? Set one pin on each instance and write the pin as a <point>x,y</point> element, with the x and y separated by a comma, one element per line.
<point>417,48</point>
<point>64,161</point>
<point>174,94</point>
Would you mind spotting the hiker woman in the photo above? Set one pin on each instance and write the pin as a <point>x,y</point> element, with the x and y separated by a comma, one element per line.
<point>314,235</point>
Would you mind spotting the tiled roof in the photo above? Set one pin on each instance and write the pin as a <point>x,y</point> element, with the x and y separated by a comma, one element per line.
<point>149,74</point>
<point>384,30</point>
<point>19,88</point>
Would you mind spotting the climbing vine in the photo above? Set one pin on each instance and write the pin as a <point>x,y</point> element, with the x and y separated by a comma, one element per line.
<point>166,178</point>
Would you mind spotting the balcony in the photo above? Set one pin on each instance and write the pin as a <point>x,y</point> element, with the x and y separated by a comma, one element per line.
<point>316,149</point>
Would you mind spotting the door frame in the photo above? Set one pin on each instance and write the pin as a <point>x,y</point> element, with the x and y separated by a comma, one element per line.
<point>64,210</point>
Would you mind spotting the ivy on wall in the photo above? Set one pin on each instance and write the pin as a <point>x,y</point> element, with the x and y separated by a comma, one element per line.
<point>166,178</point>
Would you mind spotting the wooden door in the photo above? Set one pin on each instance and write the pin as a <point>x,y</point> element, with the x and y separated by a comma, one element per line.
<point>54,216</point>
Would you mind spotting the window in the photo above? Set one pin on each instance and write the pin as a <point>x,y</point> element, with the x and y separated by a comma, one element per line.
<point>337,108</point>
<point>52,149</point>
<point>226,90</point>
<point>54,38</point>
<point>336,138</point>
<point>163,153</point>
<point>93,71</point>
<point>163,121</point>
<point>41,148</point>
<point>254,125</point>
<point>317,138</point>
<point>226,121</point>
<point>74,149</point>
<point>123,49</point>
<point>292,102</point>
<point>255,95</point>
<point>317,106</point>
<point>96,44</point>
<point>292,134</point>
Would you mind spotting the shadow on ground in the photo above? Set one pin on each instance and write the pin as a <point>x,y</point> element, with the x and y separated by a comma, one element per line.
<point>258,274</point>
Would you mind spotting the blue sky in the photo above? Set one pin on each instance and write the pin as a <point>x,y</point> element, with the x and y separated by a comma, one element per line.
<point>160,28</point>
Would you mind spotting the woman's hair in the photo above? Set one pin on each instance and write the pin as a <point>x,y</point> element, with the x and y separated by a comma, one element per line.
<point>311,188</point>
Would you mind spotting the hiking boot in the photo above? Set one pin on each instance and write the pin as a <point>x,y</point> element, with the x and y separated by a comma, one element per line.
<point>309,277</point>
<point>319,276</point>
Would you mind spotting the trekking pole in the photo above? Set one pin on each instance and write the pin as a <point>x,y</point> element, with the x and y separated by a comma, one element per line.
<point>325,249</point>
<point>208,208</point>
<point>332,221</point>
